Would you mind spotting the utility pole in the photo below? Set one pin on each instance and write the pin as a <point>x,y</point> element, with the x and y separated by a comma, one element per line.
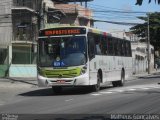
<point>148,45</point>
<point>86,4</point>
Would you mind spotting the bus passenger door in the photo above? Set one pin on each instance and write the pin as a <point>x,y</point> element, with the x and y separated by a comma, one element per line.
<point>92,61</point>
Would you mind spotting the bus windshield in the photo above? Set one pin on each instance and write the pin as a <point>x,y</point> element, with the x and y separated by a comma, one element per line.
<point>62,51</point>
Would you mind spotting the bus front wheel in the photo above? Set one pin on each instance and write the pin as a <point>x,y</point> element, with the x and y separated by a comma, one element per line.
<point>56,89</point>
<point>96,87</point>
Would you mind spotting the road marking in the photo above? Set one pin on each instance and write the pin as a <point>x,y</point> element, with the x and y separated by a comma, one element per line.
<point>120,90</point>
<point>132,89</point>
<point>68,100</point>
<point>125,89</point>
<point>106,92</point>
<point>96,94</point>
<point>145,88</point>
<point>156,87</point>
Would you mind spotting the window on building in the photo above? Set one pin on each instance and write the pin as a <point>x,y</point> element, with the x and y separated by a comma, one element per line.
<point>3,56</point>
<point>21,34</point>
<point>23,54</point>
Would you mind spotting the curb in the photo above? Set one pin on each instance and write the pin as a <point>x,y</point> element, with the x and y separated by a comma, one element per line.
<point>146,74</point>
<point>25,81</point>
<point>31,82</point>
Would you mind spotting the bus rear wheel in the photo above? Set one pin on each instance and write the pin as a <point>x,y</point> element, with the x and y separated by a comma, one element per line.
<point>57,89</point>
<point>120,82</point>
<point>96,87</point>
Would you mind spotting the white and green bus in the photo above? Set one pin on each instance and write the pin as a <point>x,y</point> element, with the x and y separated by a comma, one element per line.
<point>82,56</point>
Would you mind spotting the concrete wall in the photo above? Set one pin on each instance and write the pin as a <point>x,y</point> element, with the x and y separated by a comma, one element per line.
<point>3,69</point>
<point>23,71</point>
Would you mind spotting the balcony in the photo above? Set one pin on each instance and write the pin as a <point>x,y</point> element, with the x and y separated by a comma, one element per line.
<point>29,5</point>
<point>75,14</point>
<point>75,9</point>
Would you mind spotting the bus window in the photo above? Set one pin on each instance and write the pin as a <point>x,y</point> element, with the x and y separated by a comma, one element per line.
<point>116,46</point>
<point>123,48</point>
<point>110,46</point>
<point>104,46</point>
<point>52,49</point>
<point>98,45</point>
<point>128,49</point>
<point>91,49</point>
<point>120,52</point>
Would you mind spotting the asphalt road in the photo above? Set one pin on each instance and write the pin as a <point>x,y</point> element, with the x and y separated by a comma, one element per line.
<point>139,96</point>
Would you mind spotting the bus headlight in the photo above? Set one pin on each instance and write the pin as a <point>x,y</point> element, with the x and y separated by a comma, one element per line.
<point>84,69</point>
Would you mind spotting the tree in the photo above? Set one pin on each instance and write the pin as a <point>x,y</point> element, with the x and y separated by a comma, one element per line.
<point>141,29</point>
<point>139,2</point>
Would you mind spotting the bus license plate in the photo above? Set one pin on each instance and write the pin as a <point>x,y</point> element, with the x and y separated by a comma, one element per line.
<point>60,81</point>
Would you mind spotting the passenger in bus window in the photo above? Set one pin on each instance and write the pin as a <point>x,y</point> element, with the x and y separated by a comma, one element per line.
<point>98,50</point>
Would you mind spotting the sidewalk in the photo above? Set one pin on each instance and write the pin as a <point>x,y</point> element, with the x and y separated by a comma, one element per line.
<point>145,74</point>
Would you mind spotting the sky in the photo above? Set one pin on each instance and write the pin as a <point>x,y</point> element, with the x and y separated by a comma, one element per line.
<point>123,6</point>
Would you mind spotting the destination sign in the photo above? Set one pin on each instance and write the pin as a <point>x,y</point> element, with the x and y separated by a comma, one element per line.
<point>62,31</point>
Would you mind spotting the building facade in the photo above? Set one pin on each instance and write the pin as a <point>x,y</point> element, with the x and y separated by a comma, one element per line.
<point>18,33</point>
<point>140,57</point>
<point>5,35</point>
<point>22,50</point>
<point>62,14</point>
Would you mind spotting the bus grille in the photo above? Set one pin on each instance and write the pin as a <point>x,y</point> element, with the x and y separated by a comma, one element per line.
<point>61,73</point>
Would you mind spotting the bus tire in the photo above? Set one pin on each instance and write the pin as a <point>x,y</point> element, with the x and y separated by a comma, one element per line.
<point>96,87</point>
<point>122,82</point>
<point>115,83</point>
<point>57,89</point>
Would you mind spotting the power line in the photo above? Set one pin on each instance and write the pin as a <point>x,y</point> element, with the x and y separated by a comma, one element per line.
<point>115,9</point>
<point>115,22</point>
<point>116,13</point>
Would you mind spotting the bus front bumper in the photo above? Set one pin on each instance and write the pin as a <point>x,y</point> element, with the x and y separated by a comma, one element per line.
<point>81,80</point>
